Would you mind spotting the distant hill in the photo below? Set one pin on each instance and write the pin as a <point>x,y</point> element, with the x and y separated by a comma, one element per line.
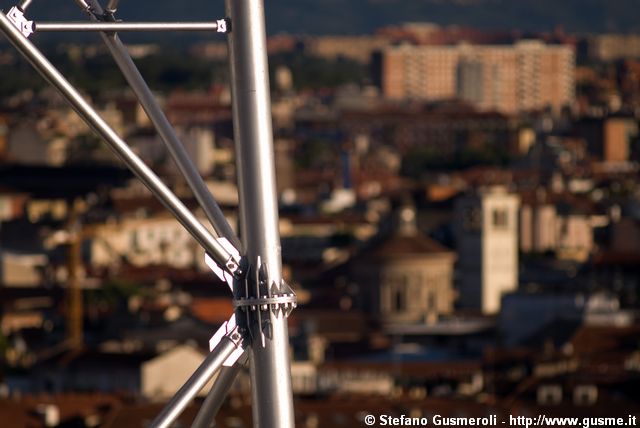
<point>363,16</point>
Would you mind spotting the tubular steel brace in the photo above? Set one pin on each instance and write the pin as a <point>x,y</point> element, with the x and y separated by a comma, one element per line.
<point>260,302</point>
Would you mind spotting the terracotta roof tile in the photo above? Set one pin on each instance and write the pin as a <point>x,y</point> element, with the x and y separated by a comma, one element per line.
<point>591,340</point>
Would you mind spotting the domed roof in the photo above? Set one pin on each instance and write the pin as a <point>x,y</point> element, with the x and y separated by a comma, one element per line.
<point>405,241</point>
<point>398,245</point>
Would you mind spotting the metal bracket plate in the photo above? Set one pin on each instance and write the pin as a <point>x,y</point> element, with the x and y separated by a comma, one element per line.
<point>260,298</point>
<point>231,330</point>
<point>17,18</point>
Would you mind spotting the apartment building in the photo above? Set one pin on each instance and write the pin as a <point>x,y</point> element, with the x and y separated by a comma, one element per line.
<point>613,47</point>
<point>525,76</point>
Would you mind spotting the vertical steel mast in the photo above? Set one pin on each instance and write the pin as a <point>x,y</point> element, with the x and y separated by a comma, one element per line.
<point>270,369</point>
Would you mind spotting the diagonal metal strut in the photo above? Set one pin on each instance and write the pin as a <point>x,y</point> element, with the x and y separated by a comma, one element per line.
<point>216,396</point>
<point>167,134</point>
<point>212,364</point>
<point>137,166</point>
<point>265,307</point>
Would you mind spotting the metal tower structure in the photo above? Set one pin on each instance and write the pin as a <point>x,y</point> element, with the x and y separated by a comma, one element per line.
<point>257,331</point>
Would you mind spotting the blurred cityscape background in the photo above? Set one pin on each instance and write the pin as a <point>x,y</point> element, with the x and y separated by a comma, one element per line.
<point>459,202</point>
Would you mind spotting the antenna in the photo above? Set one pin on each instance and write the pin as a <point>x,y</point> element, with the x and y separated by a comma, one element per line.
<point>257,331</point>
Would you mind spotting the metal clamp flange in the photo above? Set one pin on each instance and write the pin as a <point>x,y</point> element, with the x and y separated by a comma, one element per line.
<point>275,303</point>
<point>263,299</point>
<point>255,295</point>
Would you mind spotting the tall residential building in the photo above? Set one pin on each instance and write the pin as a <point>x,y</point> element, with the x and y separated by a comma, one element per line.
<point>525,76</point>
<point>613,47</point>
<point>608,139</point>
<point>486,225</point>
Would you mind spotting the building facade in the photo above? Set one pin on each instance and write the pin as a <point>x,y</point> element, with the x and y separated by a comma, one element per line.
<point>406,278</point>
<point>612,47</point>
<point>486,226</point>
<point>525,76</point>
<point>609,139</point>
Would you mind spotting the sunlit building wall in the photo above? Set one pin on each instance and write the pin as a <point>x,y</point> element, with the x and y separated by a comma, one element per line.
<point>486,225</point>
<point>525,76</point>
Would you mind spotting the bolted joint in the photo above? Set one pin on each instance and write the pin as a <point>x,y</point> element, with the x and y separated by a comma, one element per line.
<point>236,336</point>
<point>230,330</point>
<point>224,25</point>
<point>277,303</point>
<point>233,267</point>
<point>259,300</point>
<point>18,19</point>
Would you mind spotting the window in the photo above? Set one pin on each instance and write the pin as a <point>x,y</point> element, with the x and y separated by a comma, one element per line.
<point>549,394</point>
<point>400,301</point>
<point>585,395</point>
<point>135,241</point>
<point>500,218</point>
<point>472,220</point>
<point>400,287</point>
